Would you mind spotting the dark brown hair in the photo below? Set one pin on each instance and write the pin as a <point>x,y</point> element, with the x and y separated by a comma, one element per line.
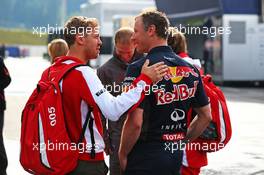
<point>158,19</point>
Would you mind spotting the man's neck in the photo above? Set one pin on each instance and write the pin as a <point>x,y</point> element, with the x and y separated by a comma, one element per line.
<point>123,60</point>
<point>120,58</point>
<point>157,43</point>
<point>77,54</point>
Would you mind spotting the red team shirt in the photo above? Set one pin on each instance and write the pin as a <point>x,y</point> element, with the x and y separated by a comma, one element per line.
<point>81,87</point>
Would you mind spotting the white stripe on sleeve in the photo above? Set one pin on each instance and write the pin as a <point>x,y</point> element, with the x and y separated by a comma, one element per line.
<point>111,107</point>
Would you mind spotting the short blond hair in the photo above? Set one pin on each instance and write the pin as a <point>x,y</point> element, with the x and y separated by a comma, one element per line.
<point>56,48</point>
<point>177,40</point>
<point>123,35</point>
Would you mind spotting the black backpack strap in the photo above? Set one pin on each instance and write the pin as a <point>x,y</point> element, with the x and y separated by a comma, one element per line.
<point>89,122</point>
<point>85,124</point>
<point>92,137</point>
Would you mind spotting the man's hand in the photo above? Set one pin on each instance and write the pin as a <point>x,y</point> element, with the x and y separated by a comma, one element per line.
<point>130,134</point>
<point>199,123</point>
<point>155,72</point>
<point>122,161</point>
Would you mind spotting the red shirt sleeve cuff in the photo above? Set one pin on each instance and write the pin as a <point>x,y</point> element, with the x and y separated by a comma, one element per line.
<point>143,77</point>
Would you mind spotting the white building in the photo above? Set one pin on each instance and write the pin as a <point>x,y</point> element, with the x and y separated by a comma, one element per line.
<point>108,10</point>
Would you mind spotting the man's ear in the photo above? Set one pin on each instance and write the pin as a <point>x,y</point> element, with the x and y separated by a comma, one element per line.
<point>151,30</point>
<point>79,39</point>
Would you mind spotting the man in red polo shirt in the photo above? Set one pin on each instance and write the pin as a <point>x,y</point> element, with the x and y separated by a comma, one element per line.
<point>82,89</point>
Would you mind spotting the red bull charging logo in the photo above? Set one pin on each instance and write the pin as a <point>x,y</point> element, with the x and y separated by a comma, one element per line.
<point>176,74</point>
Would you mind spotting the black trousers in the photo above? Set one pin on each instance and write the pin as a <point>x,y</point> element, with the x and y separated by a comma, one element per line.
<point>114,165</point>
<point>152,159</point>
<point>3,156</point>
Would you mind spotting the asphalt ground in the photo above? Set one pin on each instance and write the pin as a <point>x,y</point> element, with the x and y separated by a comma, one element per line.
<point>244,154</point>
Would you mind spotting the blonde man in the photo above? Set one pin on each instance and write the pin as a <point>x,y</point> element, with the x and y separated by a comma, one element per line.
<point>57,48</point>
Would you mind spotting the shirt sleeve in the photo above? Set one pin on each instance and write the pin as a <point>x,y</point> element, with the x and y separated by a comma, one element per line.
<point>110,106</point>
<point>131,74</point>
<point>101,75</point>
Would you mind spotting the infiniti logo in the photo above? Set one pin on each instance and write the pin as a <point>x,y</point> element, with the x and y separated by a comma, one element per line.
<point>177,115</point>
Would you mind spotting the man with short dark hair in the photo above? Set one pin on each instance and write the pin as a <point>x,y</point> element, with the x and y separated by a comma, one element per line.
<point>112,74</point>
<point>154,134</point>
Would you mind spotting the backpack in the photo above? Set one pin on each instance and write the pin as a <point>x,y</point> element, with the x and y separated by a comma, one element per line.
<point>43,129</point>
<point>219,131</point>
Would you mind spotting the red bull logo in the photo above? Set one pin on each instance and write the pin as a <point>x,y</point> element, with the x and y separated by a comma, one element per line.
<point>180,92</point>
<point>176,74</point>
